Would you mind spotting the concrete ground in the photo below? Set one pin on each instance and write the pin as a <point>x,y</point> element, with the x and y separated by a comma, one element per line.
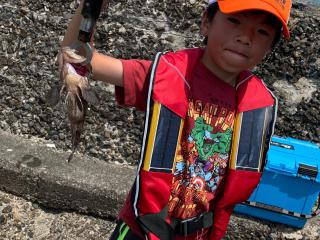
<point>24,220</point>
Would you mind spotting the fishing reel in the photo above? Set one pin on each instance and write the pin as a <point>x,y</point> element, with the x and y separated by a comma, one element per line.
<point>90,13</point>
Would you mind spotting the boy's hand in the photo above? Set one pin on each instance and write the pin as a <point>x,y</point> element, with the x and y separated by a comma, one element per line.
<point>68,55</point>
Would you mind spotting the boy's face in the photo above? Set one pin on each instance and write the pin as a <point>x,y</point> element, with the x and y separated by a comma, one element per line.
<point>236,42</point>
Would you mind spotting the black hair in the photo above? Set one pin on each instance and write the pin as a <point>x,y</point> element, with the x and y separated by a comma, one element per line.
<point>214,7</point>
<point>211,12</point>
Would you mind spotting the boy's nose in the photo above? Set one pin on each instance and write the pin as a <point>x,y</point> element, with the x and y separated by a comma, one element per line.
<point>245,37</point>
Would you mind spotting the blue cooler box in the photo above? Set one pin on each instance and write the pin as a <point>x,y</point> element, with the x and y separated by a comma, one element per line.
<point>290,183</point>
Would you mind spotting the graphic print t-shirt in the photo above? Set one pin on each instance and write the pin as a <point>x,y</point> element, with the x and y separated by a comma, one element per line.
<point>204,151</point>
<point>205,145</point>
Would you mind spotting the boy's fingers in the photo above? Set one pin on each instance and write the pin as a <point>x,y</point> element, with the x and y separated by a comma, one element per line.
<point>74,58</point>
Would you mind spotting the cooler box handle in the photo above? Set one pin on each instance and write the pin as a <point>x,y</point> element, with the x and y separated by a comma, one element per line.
<point>307,170</point>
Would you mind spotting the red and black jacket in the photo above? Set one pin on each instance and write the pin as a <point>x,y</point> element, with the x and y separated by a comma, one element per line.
<point>167,106</point>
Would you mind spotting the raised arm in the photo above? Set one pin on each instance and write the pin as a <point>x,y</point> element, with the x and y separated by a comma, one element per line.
<point>104,68</point>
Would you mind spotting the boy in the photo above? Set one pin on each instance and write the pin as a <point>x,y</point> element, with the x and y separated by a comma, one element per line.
<point>208,121</point>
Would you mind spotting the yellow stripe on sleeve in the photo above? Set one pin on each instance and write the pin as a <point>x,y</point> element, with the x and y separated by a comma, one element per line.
<point>263,141</point>
<point>152,135</point>
<point>235,141</point>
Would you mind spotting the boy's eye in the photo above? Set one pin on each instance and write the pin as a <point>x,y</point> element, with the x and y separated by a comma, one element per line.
<point>233,20</point>
<point>263,32</point>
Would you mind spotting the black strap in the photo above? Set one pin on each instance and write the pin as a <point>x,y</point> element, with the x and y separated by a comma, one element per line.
<point>156,224</point>
<point>189,226</point>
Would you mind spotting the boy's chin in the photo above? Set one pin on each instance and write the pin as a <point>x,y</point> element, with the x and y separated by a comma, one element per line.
<point>235,66</point>
<point>233,62</point>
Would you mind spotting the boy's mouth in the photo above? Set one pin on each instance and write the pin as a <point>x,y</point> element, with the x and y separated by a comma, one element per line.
<point>238,53</point>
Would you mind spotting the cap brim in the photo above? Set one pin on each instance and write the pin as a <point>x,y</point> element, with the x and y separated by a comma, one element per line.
<point>239,6</point>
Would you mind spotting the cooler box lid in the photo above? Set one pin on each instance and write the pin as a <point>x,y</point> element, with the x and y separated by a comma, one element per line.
<point>296,158</point>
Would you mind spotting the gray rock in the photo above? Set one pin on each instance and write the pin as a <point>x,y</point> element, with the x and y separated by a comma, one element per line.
<point>30,33</point>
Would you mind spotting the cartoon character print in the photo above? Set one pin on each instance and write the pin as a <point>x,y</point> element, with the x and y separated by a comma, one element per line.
<point>207,143</point>
<point>203,159</point>
<point>213,152</point>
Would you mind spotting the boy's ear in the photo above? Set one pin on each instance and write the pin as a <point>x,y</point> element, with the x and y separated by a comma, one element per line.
<point>204,24</point>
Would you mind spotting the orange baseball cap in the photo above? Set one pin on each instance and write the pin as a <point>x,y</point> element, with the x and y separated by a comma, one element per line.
<point>279,8</point>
